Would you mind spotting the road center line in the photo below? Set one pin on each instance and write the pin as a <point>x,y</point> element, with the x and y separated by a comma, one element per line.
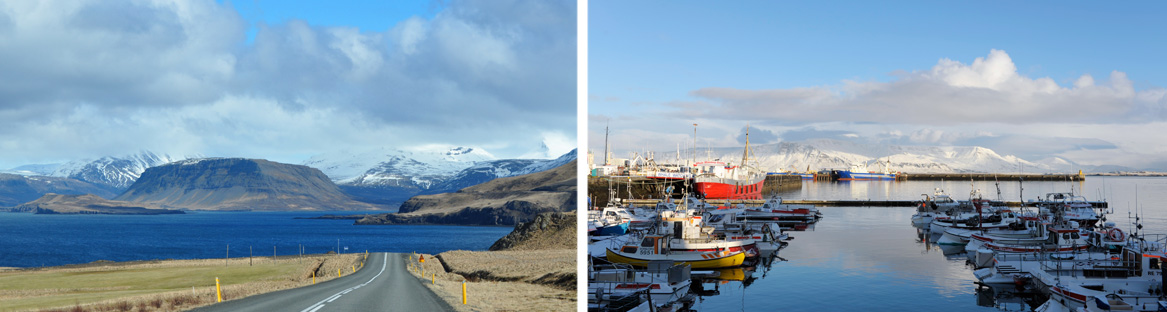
<point>320,304</point>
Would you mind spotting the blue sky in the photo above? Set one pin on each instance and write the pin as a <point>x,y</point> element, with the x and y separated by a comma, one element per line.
<point>657,67</point>
<point>284,80</point>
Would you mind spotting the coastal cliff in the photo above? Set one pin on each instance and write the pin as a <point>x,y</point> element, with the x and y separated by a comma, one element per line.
<point>503,201</point>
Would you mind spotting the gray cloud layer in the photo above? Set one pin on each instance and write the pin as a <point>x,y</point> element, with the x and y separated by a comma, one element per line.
<point>106,77</point>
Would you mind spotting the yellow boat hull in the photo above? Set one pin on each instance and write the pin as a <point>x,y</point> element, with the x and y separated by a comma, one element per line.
<point>729,261</point>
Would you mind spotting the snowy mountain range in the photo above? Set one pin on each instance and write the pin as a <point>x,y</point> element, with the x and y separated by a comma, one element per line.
<point>420,167</point>
<point>116,173</point>
<point>394,175</point>
<point>835,154</point>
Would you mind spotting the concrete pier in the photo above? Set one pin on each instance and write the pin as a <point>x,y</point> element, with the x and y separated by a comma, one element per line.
<point>642,188</point>
<point>989,177</point>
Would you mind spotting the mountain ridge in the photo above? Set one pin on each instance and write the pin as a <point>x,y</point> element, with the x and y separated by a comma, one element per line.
<point>820,154</point>
<point>239,184</point>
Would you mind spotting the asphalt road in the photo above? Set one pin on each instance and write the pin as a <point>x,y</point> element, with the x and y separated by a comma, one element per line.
<point>383,285</point>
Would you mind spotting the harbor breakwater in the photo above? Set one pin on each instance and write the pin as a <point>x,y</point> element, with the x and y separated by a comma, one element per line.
<point>640,188</point>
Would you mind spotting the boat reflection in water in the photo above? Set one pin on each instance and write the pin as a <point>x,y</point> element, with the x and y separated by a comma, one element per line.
<point>710,283</point>
<point>1004,298</point>
<point>1009,298</point>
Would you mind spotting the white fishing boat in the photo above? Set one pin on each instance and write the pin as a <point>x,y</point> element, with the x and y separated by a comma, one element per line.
<point>1132,281</point>
<point>938,204</point>
<point>659,247</point>
<point>1073,207</point>
<point>774,210</point>
<point>690,234</point>
<point>614,287</point>
<point>731,224</point>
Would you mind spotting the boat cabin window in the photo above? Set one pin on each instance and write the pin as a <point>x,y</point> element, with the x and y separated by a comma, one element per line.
<point>1066,236</point>
<point>648,242</point>
<point>1154,264</point>
<point>1075,235</point>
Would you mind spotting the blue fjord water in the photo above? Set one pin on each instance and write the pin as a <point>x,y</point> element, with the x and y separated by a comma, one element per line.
<point>29,240</point>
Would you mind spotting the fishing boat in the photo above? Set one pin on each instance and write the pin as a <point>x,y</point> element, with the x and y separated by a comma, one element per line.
<point>939,204</point>
<point>722,181</point>
<point>659,247</point>
<point>1132,280</point>
<point>1100,258</point>
<point>980,220</point>
<point>719,180</point>
<point>860,172</point>
<point>611,221</point>
<point>774,210</point>
<point>1073,207</point>
<point>690,233</point>
<point>612,286</point>
<point>731,224</point>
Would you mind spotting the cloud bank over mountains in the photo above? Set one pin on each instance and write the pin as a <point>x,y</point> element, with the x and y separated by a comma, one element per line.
<point>100,78</point>
<point>986,102</point>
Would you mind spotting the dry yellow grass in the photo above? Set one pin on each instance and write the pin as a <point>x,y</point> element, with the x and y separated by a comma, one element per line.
<point>501,280</point>
<point>172,285</point>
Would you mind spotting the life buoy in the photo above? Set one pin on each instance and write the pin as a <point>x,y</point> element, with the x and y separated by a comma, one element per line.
<point>1116,234</point>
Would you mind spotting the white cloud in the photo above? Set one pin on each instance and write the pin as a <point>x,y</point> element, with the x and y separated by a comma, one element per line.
<point>988,90</point>
<point>98,77</point>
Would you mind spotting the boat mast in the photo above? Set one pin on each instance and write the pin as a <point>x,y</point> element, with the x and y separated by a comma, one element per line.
<point>746,152</point>
<point>606,144</point>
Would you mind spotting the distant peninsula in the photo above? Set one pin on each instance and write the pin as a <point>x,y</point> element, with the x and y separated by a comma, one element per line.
<point>88,204</point>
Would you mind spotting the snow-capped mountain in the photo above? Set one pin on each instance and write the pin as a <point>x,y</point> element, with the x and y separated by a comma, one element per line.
<point>490,170</point>
<point>420,167</point>
<point>118,172</point>
<point>389,175</point>
<point>835,154</point>
<point>33,170</point>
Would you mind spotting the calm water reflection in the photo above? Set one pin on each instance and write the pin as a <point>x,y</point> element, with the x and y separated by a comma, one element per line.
<point>872,259</point>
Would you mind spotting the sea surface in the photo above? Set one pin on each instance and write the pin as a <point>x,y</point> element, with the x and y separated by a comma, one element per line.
<point>873,259</point>
<point>30,240</point>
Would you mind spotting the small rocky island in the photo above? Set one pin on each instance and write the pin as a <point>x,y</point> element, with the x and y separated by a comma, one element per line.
<point>88,204</point>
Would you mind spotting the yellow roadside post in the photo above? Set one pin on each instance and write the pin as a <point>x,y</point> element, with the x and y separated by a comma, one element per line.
<point>354,269</point>
<point>463,292</point>
<point>432,275</point>
<point>338,273</point>
<point>218,291</point>
<point>313,277</point>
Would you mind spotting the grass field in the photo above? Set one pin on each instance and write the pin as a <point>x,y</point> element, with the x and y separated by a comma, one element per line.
<point>541,280</point>
<point>171,285</point>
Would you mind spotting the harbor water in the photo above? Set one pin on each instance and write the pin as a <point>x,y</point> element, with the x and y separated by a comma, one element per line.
<point>873,259</point>
<point>30,240</point>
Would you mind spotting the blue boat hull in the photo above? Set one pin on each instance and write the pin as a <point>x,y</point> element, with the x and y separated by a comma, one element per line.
<point>848,175</point>
<point>619,229</point>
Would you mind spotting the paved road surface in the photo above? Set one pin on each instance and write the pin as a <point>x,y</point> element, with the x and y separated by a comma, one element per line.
<point>383,285</point>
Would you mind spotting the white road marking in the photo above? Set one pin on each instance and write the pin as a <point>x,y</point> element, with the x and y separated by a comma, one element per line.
<point>320,304</point>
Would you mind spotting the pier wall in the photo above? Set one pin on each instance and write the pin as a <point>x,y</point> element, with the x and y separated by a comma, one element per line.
<point>640,188</point>
<point>989,177</point>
